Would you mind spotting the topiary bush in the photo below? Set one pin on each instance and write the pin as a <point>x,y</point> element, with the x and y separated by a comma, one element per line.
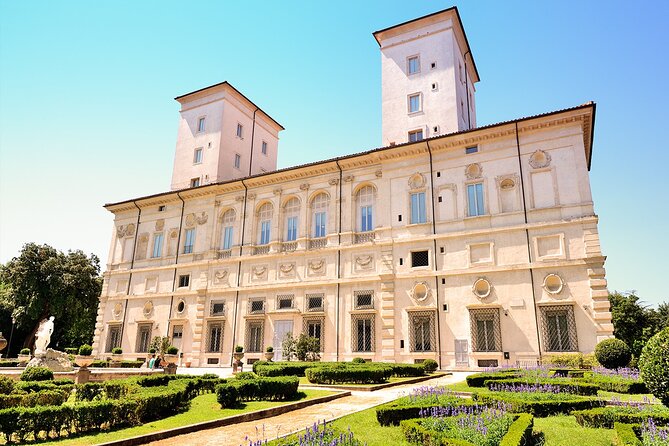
<point>6,385</point>
<point>430,365</point>
<point>36,374</point>
<point>117,351</point>
<point>613,353</point>
<point>85,350</point>
<point>172,350</point>
<point>25,351</point>
<point>358,361</point>
<point>654,365</point>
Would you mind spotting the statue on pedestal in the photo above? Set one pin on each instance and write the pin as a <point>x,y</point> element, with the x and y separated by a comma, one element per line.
<point>43,336</point>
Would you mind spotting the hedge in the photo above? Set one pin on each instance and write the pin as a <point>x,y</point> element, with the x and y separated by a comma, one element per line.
<point>566,385</point>
<point>127,364</point>
<point>625,435</point>
<point>294,368</point>
<point>232,392</point>
<point>358,374</point>
<point>479,379</point>
<point>608,416</point>
<point>391,414</point>
<point>6,385</point>
<point>113,390</point>
<point>55,397</point>
<point>36,374</point>
<point>36,386</point>
<point>539,408</point>
<point>9,363</point>
<point>519,433</point>
<point>404,370</point>
<point>616,384</point>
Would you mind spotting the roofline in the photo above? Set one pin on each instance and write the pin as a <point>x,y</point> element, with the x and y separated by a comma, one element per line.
<point>380,149</point>
<point>238,92</point>
<point>457,14</point>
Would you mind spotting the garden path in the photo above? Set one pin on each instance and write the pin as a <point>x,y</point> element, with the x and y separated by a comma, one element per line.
<point>270,428</point>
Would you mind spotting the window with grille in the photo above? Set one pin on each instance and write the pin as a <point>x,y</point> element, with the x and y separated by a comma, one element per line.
<point>314,302</point>
<point>217,308</point>
<point>143,338</point>
<point>215,337</point>
<point>559,328</point>
<point>254,336</point>
<point>421,331</point>
<point>284,301</point>
<point>257,306</point>
<point>364,300</point>
<point>362,330</point>
<point>184,280</point>
<point>113,338</point>
<point>314,327</point>
<point>485,330</point>
<point>177,332</point>
<point>420,258</point>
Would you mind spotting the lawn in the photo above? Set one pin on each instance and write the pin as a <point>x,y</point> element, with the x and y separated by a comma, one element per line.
<point>203,408</point>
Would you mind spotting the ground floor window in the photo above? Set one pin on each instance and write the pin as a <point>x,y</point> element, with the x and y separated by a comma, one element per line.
<point>314,327</point>
<point>254,336</point>
<point>113,337</point>
<point>559,328</point>
<point>485,330</point>
<point>214,337</point>
<point>143,338</point>
<point>362,332</point>
<point>422,336</point>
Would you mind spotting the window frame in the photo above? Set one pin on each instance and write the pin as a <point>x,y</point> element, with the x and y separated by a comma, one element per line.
<point>189,240</point>
<point>421,212</point>
<point>365,205</point>
<point>479,199</point>
<point>263,148</point>
<point>240,131</point>
<point>215,344</point>
<point>195,182</point>
<point>198,153</point>
<point>201,124</point>
<point>157,245</point>
<point>307,301</point>
<point>184,278</point>
<point>113,337</point>
<point>363,341</point>
<point>142,344</point>
<point>237,161</point>
<point>413,57</point>
<point>419,103</point>
<point>416,132</point>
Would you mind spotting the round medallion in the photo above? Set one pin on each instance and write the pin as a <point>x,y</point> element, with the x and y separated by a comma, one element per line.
<point>553,283</point>
<point>118,310</point>
<point>482,288</point>
<point>420,291</point>
<point>148,308</point>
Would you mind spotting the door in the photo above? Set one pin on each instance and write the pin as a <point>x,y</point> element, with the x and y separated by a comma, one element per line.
<point>280,330</point>
<point>461,356</point>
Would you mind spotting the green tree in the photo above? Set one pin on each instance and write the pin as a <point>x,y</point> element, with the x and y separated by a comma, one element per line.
<point>633,321</point>
<point>43,282</point>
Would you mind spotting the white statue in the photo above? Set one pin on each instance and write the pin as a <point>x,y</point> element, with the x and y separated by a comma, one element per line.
<point>43,336</point>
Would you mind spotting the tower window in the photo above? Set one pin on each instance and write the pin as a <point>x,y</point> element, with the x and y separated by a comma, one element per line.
<point>200,125</point>
<point>433,65</point>
<point>240,131</point>
<point>184,280</point>
<point>435,86</point>
<point>470,150</point>
<point>415,135</point>
<point>413,65</point>
<point>197,156</point>
<point>195,182</point>
<point>161,208</point>
<point>419,258</point>
<point>414,103</point>
<point>238,160</point>
<point>264,148</point>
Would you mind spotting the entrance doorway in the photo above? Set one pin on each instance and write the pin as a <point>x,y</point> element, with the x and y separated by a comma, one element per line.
<point>280,330</point>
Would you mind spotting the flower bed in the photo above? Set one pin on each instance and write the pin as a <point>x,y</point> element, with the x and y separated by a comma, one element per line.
<point>624,380</point>
<point>630,413</point>
<point>537,403</point>
<point>548,385</point>
<point>316,435</point>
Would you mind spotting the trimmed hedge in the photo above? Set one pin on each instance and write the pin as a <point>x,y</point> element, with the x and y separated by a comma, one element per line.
<point>6,385</point>
<point>127,364</point>
<point>625,435</point>
<point>539,408</point>
<point>232,392</point>
<point>566,385</point>
<point>519,433</point>
<point>294,368</point>
<point>264,368</point>
<point>9,363</point>
<point>479,379</point>
<point>403,370</point>
<point>616,384</point>
<point>36,374</point>
<point>608,416</point>
<point>391,414</point>
<point>654,365</point>
<point>49,397</point>
<point>358,374</point>
<point>430,365</point>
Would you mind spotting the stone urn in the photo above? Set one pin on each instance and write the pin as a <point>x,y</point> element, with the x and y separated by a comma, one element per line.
<point>269,356</point>
<point>238,354</point>
<point>3,342</point>
<point>171,359</point>
<point>23,360</point>
<point>84,361</point>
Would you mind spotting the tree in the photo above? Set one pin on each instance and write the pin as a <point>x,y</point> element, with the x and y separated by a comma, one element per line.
<point>43,282</point>
<point>304,348</point>
<point>633,322</point>
<point>654,366</point>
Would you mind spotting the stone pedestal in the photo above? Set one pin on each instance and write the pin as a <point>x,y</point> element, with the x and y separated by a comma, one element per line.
<point>82,376</point>
<point>171,369</point>
<point>53,360</point>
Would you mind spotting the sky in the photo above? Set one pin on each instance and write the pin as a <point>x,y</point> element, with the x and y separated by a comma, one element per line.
<point>87,114</point>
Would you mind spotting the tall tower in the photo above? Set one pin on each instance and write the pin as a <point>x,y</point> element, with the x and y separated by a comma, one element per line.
<point>428,76</point>
<point>222,136</point>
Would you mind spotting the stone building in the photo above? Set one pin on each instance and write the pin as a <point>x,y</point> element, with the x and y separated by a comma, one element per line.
<point>473,246</point>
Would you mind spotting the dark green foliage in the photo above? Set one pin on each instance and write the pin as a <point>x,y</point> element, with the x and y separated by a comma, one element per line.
<point>479,379</point>
<point>564,384</point>
<point>25,351</point>
<point>625,435</point>
<point>231,392</point>
<point>239,349</point>
<point>36,386</point>
<point>36,374</point>
<point>358,361</point>
<point>538,408</point>
<point>124,364</point>
<point>607,416</point>
<point>9,363</point>
<point>616,384</point>
<point>520,432</point>
<point>403,370</point>
<point>354,373</point>
<point>635,323</point>
<point>71,350</point>
<point>117,351</point>
<point>654,366</point>
<point>172,350</point>
<point>430,365</point>
<point>288,368</point>
<point>85,350</point>
<point>246,375</point>
<point>6,385</point>
<point>155,380</point>
<point>613,353</point>
<point>54,397</point>
<point>227,396</point>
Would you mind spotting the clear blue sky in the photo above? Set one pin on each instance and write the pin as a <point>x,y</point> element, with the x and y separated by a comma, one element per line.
<point>87,114</point>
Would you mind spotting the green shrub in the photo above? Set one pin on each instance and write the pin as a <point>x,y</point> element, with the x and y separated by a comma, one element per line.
<point>358,361</point>
<point>606,416</point>
<point>403,370</point>
<point>416,433</point>
<point>239,349</point>
<point>562,384</point>
<point>575,360</point>
<point>6,385</point>
<point>85,350</point>
<point>654,365</point>
<point>36,374</point>
<point>392,413</point>
<point>227,396</point>
<point>625,435</point>
<point>269,349</point>
<point>9,363</point>
<point>538,404</point>
<point>246,375</point>
<point>36,386</point>
<point>117,351</point>
<point>71,350</point>
<point>172,350</point>
<point>264,368</point>
<point>520,432</point>
<point>51,397</point>
<point>479,379</point>
<point>616,384</point>
<point>356,373</point>
<point>430,365</point>
<point>25,351</point>
<point>613,353</point>
<point>231,392</point>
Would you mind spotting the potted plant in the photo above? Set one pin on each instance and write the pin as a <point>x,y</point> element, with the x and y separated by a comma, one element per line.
<point>239,353</point>
<point>269,353</point>
<point>24,357</point>
<point>171,354</point>
<point>117,356</point>
<point>84,358</point>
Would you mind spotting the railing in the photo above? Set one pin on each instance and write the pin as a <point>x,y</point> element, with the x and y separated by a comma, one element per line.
<point>317,243</point>
<point>225,254</point>
<point>258,250</point>
<point>288,246</point>
<point>363,237</point>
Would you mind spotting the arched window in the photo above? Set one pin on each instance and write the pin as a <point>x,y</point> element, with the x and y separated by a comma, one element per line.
<point>291,211</point>
<point>264,223</point>
<point>227,228</point>
<point>365,203</point>
<point>319,214</point>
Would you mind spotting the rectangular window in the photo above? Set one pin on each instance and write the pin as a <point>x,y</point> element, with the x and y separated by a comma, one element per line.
<point>215,340</point>
<point>420,258</point>
<point>314,329</point>
<point>291,233</point>
<point>189,242</point>
<point>470,150</point>
<point>416,135</point>
<point>422,331</point>
<point>257,306</point>
<point>363,333</point>
<point>161,208</point>
<point>184,280</point>
<point>414,103</point>
<point>195,182</point>
<point>157,245</point>
<point>113,337</point>
<point>559,328</point>
<point>284,302</point>
<point>418,214</point>
<point>485,330</point>
<point>227,237</point>
<point>264,148</point>
<point>217,308</point>
<point>177,332</point>
<point>200,125</point>
<point>319,224</point>
<point>254,337</point>
<point>197,156</point>
<point>366,214</point>
<point>413,65</point>
<point>264,232</point>
<point>240,131</point>
<point>364,300</point>
<point>314,302</point>
<point>238,160</point>
<point>143,338</point>
<point>475,199</point>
